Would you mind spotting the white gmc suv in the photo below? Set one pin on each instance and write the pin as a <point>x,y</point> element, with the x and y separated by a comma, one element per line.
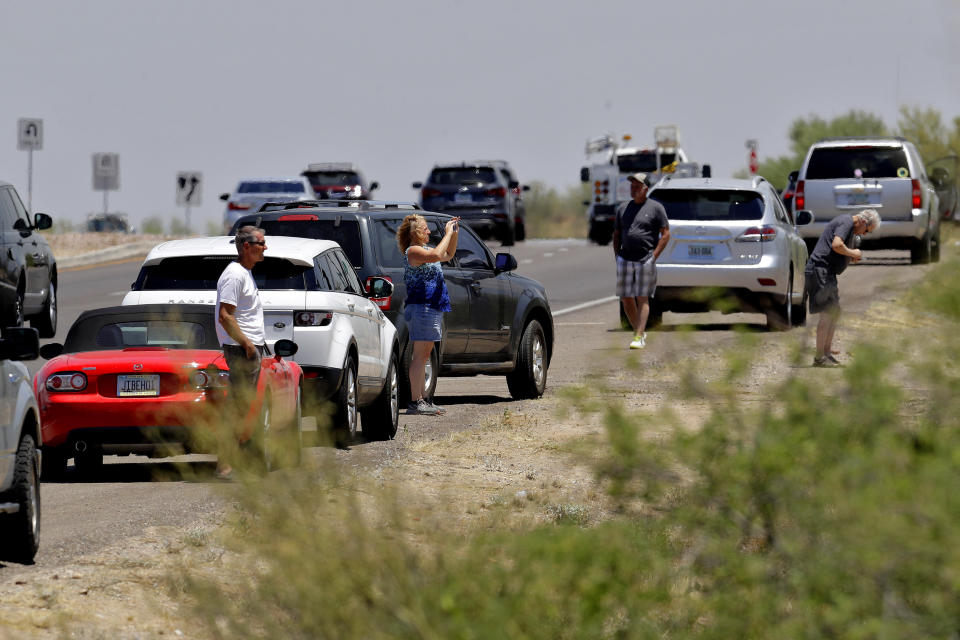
<point>310,294</point>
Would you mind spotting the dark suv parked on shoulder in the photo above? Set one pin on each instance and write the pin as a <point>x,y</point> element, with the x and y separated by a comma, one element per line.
<point>501,322</point>
<point>28,270</point>
<point>479,192</point>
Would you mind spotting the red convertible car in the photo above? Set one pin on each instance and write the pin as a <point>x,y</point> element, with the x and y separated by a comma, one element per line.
<point>152,380</point>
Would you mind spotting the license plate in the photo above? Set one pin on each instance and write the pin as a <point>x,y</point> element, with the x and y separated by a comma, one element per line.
<point>138,385</point>
<point>462,198</point>
<point>700,251</point>
<point>856,199</point>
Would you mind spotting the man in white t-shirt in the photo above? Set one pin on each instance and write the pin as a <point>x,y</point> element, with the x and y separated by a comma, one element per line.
<point>240,326</point>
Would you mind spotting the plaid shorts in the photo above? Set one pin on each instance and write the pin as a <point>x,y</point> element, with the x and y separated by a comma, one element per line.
<point>636,278</point>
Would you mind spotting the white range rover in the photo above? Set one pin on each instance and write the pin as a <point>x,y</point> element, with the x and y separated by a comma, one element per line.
<point>310,294</point>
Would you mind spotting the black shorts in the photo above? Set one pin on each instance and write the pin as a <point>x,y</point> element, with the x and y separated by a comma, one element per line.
<point>822,289</point>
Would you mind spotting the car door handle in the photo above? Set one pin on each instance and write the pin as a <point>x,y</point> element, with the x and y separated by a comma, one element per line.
<point>475,286</point>
<point>351,306</point>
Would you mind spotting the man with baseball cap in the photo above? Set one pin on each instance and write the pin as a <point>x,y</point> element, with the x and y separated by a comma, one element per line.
<point>640,234</point>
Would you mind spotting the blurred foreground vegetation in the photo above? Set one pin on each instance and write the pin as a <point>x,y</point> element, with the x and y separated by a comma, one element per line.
<point>822,506</point>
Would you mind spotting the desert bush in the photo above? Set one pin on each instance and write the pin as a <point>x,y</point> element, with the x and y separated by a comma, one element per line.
<point>826,510</point>
<point>152,226</point>
<point>552,214</point>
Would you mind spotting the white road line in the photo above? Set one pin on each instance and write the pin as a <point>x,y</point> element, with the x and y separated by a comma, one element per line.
<point>526,261</point>
<point>585,305</point>
<point>119,293</point>
<point>562,249</point>
<point>548,254</point>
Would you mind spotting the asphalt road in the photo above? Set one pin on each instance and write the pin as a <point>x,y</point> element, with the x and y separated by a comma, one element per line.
<point>134,493</point>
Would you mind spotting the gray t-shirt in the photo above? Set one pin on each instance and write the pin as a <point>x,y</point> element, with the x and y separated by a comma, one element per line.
<point>639,226</point>
<point>823,254</point>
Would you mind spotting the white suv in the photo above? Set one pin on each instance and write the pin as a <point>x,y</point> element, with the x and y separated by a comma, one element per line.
<point>310,294</point>
<point>19,448</point>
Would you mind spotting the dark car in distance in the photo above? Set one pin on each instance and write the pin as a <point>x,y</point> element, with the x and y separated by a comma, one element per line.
<point>28,270</point>
<point>480,193</point>
<point>339,180</point>
<point>500,323</point>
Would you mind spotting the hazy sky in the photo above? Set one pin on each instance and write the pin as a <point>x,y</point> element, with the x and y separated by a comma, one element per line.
<point>247,88</point>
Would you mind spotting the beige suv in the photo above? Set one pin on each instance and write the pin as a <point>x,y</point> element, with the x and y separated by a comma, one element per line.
<point>847,175</point>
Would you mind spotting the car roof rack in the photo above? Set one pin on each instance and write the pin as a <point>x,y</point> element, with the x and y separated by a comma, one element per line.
<point>361,205</point>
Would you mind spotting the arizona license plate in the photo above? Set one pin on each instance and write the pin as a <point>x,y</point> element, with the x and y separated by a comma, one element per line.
<point>138,385</point>
<point>462,198</point>
<point>700,251</point>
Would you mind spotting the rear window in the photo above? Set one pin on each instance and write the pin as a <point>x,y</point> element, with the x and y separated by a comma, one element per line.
<point>346,233</point>
<point>702,204</point>
<point>857,162</point>
<point>463,175</point>
<point>644,161</point>
<point>200,273</point>
<point>271,187</point>
<point>332,178</point>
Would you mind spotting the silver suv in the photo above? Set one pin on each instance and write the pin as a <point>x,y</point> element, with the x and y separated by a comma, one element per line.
<point>846,175</point>
<point>19,448</point>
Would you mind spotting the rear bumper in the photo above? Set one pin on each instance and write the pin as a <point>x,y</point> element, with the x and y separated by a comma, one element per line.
<point>319,384</point>
<point>891,234</point>
<point>740,276</point>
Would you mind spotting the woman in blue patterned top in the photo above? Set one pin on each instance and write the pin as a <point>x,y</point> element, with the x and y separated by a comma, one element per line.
<point>427,298</point>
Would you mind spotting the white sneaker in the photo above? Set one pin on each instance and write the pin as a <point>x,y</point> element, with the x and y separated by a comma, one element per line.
<point>639,342</point>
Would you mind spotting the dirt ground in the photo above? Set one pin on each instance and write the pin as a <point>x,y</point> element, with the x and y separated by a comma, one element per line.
<point>525,456</point>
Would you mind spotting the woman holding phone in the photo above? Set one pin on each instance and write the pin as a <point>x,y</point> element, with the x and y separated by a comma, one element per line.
<point>427,298</point>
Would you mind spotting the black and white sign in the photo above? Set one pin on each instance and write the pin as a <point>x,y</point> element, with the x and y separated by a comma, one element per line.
<point>29,134</point>
<point>106,171</point>
<point>189,192</point>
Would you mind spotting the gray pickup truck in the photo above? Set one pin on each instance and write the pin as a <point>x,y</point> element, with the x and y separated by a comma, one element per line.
<point>845,175</point>
<point>19,447</point>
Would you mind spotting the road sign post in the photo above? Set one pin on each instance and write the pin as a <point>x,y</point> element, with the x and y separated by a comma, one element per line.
<point>189,191</point>
<point>106,175</point>
<point>29,137</point>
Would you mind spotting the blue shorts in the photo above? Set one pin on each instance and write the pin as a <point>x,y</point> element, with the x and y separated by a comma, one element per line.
<point>423,322</point>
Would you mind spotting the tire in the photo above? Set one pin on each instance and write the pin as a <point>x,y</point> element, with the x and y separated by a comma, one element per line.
<point>529,379</point>
<point>54,463</point>
<point>430,375</point>
<point>780,315</point>
<point>265,441</point>
<point>14,316</point>
<point>921,250</point>
<point>800,311</point>
<point>21,530</point>
<point>381,419</point>
<point>507,236</point>
<point>46,321</point>
<point>935,247</point>
<point>521,233</point>
<point>345,419</point>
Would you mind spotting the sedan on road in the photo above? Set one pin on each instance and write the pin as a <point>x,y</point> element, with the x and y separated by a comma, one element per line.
<point>733,247</point>
<point>139,379</point>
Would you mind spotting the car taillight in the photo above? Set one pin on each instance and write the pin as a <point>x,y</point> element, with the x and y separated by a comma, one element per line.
<point>312,318</point>
<point>237,206</point>
<point>798,199</point>
<point>917,200</point>
<point>496,192</point>
<point>67,382</point>
<point>383,303</point>
<point>211,377</point>
<point>430,193</point>
<point>757,234</point>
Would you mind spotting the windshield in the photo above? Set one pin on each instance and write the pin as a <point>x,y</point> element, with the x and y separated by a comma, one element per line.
<point>645,161</point>
<point>857,162</point>
<point>702,204</point>
<point>333,178</point>
<point>271,187</point>
<point>346,233</point>
<point>463,175</point>
<point>200,273</point>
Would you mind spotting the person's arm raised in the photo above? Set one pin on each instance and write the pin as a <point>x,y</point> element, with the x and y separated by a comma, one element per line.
<point>417,255</point>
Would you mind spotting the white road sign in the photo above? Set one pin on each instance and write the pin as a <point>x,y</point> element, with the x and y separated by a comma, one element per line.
<point>106,171</point>
<point>189,191</point>
<point>29,134</point>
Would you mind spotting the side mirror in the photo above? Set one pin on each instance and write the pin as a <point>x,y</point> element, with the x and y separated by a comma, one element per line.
<point>505,262</point>
<point>586,203</point>
<point>374,185</point>
<point>584,174</point>
<point>525,187</point>
<point>793,175</point>
<point>513,184</point>
<point>706,171</point>
<point>378,287</point>
<point>804,216</point>
<point>19,343</point>
<point>42,221</point>
<point>224,196</point>
<point>51,350</point>
<point>285,348</point>
<point>416,185</point>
